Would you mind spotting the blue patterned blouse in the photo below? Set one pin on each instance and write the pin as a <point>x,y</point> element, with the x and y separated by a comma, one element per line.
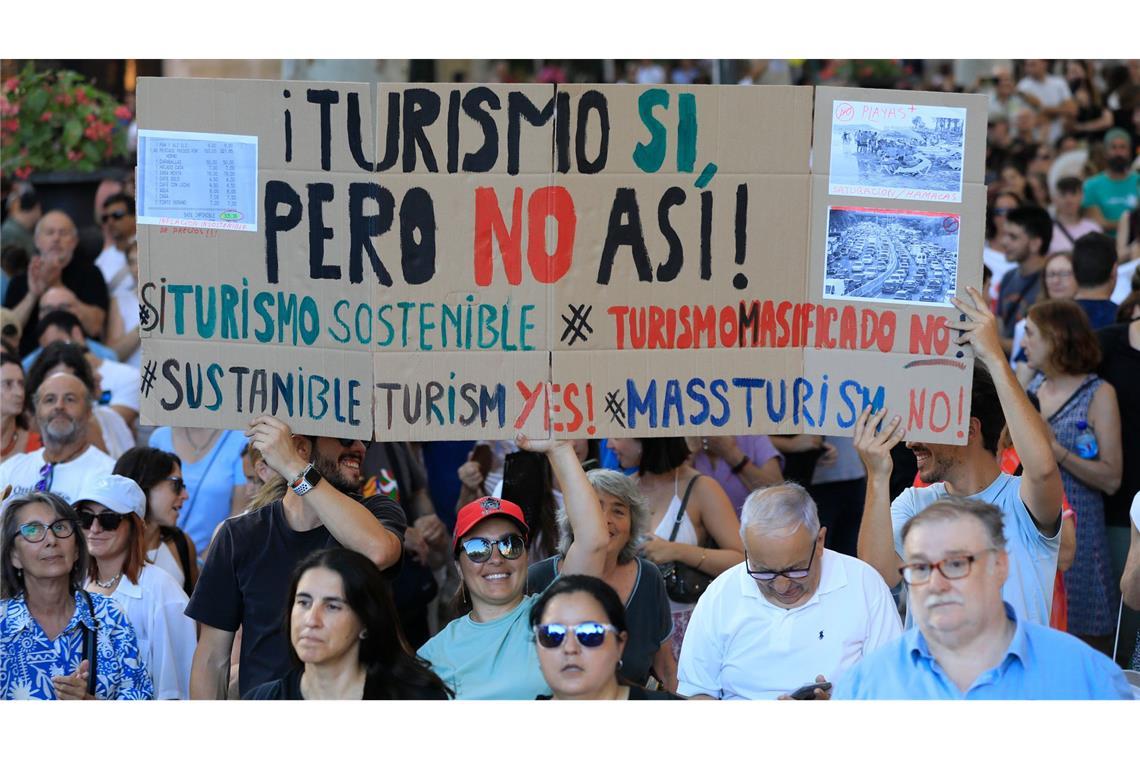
<point>29,659</point>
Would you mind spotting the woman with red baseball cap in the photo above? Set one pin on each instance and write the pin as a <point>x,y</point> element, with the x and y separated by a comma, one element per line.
<point>489,652</point>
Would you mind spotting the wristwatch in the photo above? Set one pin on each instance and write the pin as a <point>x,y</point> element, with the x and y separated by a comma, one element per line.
<point>306,480</point>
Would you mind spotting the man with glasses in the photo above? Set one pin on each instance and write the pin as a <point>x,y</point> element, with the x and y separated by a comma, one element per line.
<point>791,615</point>
<point>246,577</point>
<point>968,643</point>
<point>63,408</point>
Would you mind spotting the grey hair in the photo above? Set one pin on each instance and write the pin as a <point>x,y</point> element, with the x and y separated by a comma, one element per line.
<point>12,582</point>
<point>956,507</point>
<point>36,228</point>
<point>624,489</point>
<point>779,510</point>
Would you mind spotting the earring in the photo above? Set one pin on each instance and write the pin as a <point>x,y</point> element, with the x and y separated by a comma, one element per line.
<point>620,661</point>
<point>363,635</point>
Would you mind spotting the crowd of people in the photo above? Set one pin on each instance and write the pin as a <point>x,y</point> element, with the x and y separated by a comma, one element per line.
<point>193,563</point>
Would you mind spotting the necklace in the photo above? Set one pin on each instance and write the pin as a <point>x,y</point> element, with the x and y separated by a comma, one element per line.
<point>199,447</point>
<point>110,583</point>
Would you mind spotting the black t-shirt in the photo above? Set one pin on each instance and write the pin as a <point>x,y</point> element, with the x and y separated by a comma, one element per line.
<point>246,579</point>
<point>1120,366</point>
<point>81,277</point>
<point>289,687</point>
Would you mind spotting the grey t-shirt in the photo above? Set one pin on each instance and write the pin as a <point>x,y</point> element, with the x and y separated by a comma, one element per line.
<point>647,614</point>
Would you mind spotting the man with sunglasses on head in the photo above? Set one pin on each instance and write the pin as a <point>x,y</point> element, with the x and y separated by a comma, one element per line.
<point>246,577</point>
<point>794,614</point>
<point>968,643</point>
<point>63,408</point>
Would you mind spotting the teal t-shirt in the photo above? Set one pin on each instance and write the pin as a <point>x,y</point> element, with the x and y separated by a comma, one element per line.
<point>495,660</point>
<point>1112,196</point>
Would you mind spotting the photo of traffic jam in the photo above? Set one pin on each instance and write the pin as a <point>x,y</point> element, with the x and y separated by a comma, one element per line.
<point>915,152</point>
<point>891,256</point>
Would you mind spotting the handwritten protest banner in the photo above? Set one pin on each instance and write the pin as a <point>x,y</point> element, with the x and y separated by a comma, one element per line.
<point>457,261</point>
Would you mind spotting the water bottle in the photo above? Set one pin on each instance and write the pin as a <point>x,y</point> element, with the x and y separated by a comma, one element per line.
<point>1086,441</point>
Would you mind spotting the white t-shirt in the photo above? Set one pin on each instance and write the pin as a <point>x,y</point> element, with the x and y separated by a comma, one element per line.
<point>123,381</point>
<point>1051,92</point>
<point>113,264</point>
<point>998,265</point>
<point>156,608</point>
<point>738,645</point>
<point>23,472</point>
<point>1124,274</point>
<point>1134,513</point>
<point>116,434</point>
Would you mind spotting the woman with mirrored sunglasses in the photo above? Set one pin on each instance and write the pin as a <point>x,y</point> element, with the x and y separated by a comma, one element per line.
<point>159,474</point>
<point>488,652</point>
<point>344,636</point>
<point>110,512</point>
<point>635,579</point>
<point>579,626</point>
<point>49,625</point>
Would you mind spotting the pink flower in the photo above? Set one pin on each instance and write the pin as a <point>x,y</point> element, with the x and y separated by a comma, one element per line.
<point>74,155</point>
<point>23,172</point>
<point>10,84</point>
<point>91,117</point>
<point>12,125</point>
<point>122,112</point>
<point>80,95</point>
<point>46,116</point>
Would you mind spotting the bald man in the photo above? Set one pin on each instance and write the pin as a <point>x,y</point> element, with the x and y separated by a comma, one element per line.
<point>53,263</point>
<point>63,411</point>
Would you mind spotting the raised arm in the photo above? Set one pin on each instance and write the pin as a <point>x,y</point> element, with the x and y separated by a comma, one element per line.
<point>1041,488</point>
<point>349,521</point>
<point>587,555</point>
<point>876,545</point>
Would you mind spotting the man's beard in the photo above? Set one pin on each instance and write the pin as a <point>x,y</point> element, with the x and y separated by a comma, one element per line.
<point>330,471</point>
<point>73,433</point>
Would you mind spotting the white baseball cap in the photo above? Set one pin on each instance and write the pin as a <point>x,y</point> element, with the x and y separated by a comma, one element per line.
<point>115,492</point>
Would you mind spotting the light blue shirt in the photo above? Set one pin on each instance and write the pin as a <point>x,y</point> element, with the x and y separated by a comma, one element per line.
<point>495,660</point>
<point>210,482</point>
<point>1040,663</point>
<point>1032,556</point>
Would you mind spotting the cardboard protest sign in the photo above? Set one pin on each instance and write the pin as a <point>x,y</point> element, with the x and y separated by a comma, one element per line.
<point>468,261</point>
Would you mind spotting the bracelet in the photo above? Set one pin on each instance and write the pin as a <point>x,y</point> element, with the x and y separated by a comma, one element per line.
<point>704,553</point>
<point>739,468</point>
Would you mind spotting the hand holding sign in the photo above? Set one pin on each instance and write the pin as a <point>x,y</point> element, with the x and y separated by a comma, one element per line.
<point>874,444</point>
<point>274,440</point>
<point>979,328</point>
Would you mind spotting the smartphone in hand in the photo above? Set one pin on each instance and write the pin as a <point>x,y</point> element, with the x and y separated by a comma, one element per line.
<point>807,691</point>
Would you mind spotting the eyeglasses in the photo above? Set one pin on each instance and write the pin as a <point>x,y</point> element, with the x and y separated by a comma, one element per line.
<point>35,532</point>
<point>479,549</point>
<point>551,635</point>
<point>1058,275</point>
<point>47,475</point>
<point>112,215</point>
<point>107,520</point>
<point>346,442</point>
<point>795,574</point>
<point>178,484</point>
<point>1001,211</point>
<point>952,568</point>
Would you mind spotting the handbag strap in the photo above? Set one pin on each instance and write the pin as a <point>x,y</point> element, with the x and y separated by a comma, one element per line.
<point>90,644</point>
<point>681,511</point>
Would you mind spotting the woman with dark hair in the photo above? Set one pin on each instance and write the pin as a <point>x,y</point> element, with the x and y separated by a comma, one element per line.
<point>110,433</point>
<point>110,511</point>
<point>648,649</point>
<point>345,640</point>
<point>579,625</point>
<point>1057,281</point>
<point>488,652</point>
<point>691,520</point>
<point>1092,118</point>
<point>1061,346</point>
<point>159,474</point>
<point>50,627</point>
<point>15,437</point>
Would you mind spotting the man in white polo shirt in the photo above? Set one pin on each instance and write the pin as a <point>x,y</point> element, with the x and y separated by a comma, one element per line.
<point>791,615</point>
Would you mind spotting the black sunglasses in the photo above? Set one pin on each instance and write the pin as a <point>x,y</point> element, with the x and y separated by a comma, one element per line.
<point>177,483</point>
<point>551,635</point>
<point>107,520</point>
<point>112,215</point>
<point>346,442</point>
<point>479,549</point>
